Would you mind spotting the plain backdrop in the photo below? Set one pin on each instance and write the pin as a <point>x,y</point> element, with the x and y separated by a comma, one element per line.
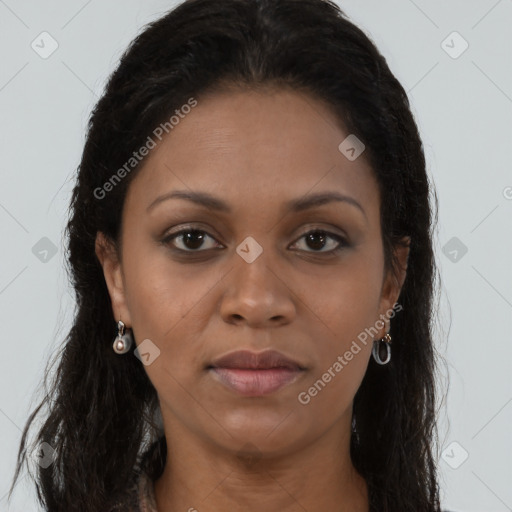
<point>453,58</point>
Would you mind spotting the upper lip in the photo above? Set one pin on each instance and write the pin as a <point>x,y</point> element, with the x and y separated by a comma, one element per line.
<point>246,359</point>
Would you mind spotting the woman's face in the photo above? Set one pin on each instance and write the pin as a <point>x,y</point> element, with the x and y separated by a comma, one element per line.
<point>246,275</point>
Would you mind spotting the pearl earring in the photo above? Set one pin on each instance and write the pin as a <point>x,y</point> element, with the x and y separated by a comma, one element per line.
<point>123,341</point>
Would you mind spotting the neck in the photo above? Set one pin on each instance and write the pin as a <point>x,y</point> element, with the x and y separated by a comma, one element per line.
<point>199,476</point>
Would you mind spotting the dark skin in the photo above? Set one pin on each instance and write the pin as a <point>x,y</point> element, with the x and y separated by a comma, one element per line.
<point>255,151</point>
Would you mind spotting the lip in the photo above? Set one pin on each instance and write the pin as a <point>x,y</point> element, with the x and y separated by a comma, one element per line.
<point>248,360</point>
<point>255,382</point>
<point>256,374</point>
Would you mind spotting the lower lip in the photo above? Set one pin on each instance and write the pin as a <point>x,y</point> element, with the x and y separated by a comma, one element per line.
<point>256,382</point>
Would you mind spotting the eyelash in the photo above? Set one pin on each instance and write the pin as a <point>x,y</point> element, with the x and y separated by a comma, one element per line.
<point>343,244</point>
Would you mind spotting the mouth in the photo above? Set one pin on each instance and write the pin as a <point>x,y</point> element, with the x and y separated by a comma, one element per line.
<point>255,382</point>
<point>255,374</point>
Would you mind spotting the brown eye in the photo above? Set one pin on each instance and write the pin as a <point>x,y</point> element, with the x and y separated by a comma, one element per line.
<point>323,241</point>
<point>189,240</point>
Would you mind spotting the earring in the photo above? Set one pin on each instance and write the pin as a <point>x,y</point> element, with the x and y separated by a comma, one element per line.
<point>380,346</point>
<point>123,341</point>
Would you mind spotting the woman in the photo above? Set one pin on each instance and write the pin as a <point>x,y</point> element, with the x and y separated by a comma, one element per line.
<point>252,217</point>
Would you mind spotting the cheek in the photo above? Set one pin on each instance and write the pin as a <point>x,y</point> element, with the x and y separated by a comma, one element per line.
<point>169,305</point>
<point>161,293</point>
<point>346,310</point>
<point>330,392</point>
<point>345,300</point>
<point>343,348</point>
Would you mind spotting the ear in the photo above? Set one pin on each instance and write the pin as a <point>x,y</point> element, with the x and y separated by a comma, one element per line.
<point>394,281</point>
<point>108,256</point>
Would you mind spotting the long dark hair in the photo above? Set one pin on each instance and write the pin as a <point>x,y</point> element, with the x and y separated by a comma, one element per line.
<point>102,407</point>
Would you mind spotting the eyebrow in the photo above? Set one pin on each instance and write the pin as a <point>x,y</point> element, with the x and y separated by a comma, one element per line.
<point>295,205</point>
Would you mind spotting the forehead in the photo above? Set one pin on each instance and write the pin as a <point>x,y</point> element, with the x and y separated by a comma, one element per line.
<point>250,146</point>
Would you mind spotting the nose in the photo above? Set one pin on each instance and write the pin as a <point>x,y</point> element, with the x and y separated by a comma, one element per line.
<point>257,295</point>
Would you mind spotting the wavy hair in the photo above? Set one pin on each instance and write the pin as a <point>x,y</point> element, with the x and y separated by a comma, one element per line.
<point>101,409</point>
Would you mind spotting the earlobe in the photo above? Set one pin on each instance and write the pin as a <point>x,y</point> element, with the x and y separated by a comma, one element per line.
<point>108,257</point>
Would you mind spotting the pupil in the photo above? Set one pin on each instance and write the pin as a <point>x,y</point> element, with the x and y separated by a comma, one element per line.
<point>316,235</point>
<point>189,239</point>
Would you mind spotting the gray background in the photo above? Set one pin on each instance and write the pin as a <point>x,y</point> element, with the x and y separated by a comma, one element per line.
<point>463,105</point>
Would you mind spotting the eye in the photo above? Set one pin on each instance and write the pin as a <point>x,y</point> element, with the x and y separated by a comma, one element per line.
<point>318,240</point>
<point>190,240</point>
<point>193,240</point>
